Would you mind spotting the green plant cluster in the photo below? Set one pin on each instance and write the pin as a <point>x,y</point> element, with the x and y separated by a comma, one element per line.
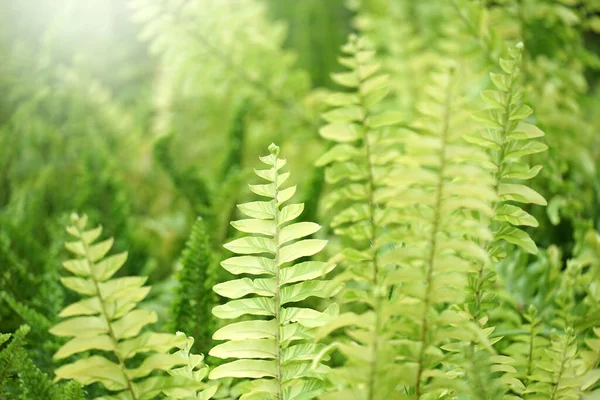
<point>433,231</point>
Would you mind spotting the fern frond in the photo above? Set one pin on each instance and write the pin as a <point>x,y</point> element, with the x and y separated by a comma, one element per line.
<point>482,371</point>
<point>591,361</point>
<point>12,355</point>
<point>273,350</point>
<point>73,391</point>
<point>195,299</point>
<point>555,376</point>
<point>357,166</point>
<point>508,138</point>
<point>28,314</point>
<point>107,320</point>
<point>34,384</point>
<point>583,274</point>
<point>445,196</point>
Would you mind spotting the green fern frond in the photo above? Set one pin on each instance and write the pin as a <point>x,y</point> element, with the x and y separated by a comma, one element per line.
<point>273,350</point>
<point>527,348</point>
<point>73,391</point>
<point>591,361</point>
<point>195,299</point>
<point>28,314</point>
<point>12,355</point>
<point>508,138</point>
<point>482,372</point>
<point>555,376</point>
<point>107,320</point>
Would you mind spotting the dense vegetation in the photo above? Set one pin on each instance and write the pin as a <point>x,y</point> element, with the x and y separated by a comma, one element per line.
<point>341,200</point>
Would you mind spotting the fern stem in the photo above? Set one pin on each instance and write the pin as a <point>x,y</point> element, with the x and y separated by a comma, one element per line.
<point>530,354</point>
<point>104,313</point>
<point>373,244</point>
<point>523,28</point>
<point>433,239</point>
<point>277,286</point>
<point>377,305</point>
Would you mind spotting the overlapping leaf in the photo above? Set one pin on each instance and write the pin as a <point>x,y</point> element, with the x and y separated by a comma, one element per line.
<point>510,135</point>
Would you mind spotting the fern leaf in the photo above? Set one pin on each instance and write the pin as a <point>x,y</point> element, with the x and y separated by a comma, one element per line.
<point>271,350</point>
<point>107,319</point>
<point>195,299</point>
<point>591,360</point>
<point>446,195</point>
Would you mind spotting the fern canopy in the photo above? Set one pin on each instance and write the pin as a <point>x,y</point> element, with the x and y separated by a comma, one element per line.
<point>272,345</point>
<point>107,319</point>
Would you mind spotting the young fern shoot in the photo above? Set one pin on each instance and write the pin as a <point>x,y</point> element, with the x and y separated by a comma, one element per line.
<point>107,320</point>
<point>273,348</point>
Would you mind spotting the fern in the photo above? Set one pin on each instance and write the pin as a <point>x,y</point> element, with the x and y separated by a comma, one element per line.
<point>107,320</point>
<point>274,351</point>
<point>28,314</point>
<point>34,384</point>
<point>527,347</point>
<point>591,360</point>
<point>73,391</point>
<point>555,376</point>
<point>195,299</point>
<point>508,138</point>
<point>426,203</point>
<point>252,59</point>
<point>357,165</point>
<point>20,377</point>
<point>12,356</point>
<point>445,195</point>
<point>195,370</point>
